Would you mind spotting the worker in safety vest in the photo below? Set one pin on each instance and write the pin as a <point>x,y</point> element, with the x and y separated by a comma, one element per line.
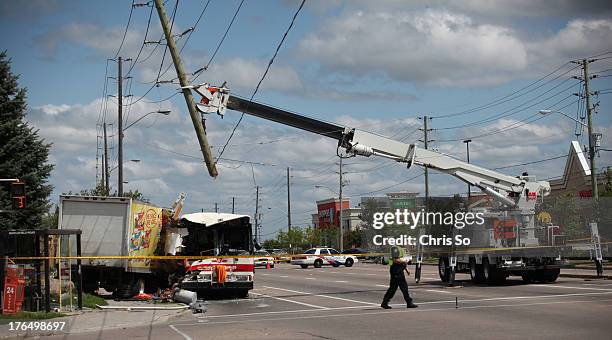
<point>397,267</point>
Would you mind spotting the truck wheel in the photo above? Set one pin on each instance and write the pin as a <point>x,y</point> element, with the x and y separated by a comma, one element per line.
<point>476,271</point>
<point>243,293</point>
<point>443,269</point>
<point>304,266</point>
<point>349,262</point>
<point>551,275</point>
<point>486,270</point>
<point>491,273</point>
<point>527,277</point>
<point>318,263</point>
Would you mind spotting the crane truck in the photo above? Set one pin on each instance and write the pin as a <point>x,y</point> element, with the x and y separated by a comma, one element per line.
<point>506,245</point>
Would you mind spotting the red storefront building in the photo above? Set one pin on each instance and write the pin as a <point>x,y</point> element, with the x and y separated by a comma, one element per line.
<point>329,211</point>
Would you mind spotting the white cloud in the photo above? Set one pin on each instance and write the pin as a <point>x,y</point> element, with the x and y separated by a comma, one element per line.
<point>445,47</point>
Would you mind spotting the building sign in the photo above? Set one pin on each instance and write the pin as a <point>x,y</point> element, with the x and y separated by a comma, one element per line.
<point>403,203</point>
<point>586,194</point>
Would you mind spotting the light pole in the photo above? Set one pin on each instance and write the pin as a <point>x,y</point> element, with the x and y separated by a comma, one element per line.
<point>121,130</point>
<point>593,141</point>
<point>467,147</point>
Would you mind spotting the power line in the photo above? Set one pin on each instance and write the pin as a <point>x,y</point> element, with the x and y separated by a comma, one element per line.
<point>501,99</point>
<point>197,73</point>
<point>263,77</point>
<point>126,30</point>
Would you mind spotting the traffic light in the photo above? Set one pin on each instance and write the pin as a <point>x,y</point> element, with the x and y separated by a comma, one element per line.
<point>18,195</point>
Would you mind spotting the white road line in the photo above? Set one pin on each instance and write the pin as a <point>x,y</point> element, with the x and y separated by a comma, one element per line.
<point>571,287</point>
<point>292,301</point>
<point>437,291</point>
<point>403,304</point>
<point>340,281</point>
<point>310,278</point>
<point>325,296</point>
<point>597,284</point>
<point>397,311</point>
<point>187,337</point>
<point>382,286</point>
<point>283,276</point>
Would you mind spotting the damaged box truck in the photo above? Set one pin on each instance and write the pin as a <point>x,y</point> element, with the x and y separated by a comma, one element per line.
<point>119,226</point>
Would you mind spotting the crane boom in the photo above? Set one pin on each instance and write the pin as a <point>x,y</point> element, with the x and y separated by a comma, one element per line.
<point>506,189</point>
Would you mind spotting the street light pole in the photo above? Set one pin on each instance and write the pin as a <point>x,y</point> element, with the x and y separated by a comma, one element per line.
<point>467,146</point>
<point>340,217</point>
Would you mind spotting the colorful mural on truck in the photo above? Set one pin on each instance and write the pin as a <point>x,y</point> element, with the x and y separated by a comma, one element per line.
<point>145,230</point>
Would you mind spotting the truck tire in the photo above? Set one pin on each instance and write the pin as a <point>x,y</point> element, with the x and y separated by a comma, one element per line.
<point>318,263</point>
<point>349,262</point>
<point>486,270</point>
<point>551,275</point>
<point>527,277</point>
<point>443,269</point>
<point>476,271</point>
<point>491,273</point>
<point>304,266</point>
<point>243,293</point>
<point>546,275</point>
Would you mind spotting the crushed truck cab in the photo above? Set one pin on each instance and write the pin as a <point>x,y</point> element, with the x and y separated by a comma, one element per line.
<point>227,239</point>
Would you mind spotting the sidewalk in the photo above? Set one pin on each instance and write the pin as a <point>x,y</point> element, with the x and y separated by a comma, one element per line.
<point>98,320</point>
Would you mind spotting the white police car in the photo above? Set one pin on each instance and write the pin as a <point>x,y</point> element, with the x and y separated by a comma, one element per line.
<point>318,257</point>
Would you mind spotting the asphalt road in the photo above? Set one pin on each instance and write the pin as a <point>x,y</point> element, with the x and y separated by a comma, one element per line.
<point>343,303</point>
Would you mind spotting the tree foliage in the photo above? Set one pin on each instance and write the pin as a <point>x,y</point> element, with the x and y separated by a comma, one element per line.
<point>23,155</point>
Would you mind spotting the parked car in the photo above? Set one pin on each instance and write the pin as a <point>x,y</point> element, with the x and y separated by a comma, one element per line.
<point>263,258</point>
<point>318,257</point>
<point>358,252</point>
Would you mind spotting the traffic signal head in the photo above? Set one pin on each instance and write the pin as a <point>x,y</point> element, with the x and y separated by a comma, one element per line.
<point>18,195</point>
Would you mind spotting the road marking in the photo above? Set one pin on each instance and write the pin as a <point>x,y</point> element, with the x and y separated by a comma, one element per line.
<point>322,295</point>
<point>395,311</point>
<point>571,287</point>
<point>402,304</point>
<point>340,281</point>
<point>382,286</point>
<point>283,276</point>
<point>187,337</point>
<point>310,278</point>
<point>597,284</point>
<point>292,301</point>
<point>437,291</point>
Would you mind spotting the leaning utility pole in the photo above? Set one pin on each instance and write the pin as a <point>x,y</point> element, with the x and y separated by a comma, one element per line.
<point>585,68</point>
<point>288,201</point>
<point>120,129</point>
<point>233,203</point>
<point>105,166</point>
<point>180,72</point>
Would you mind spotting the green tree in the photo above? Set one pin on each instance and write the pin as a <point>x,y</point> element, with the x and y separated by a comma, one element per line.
<point>23,154</point>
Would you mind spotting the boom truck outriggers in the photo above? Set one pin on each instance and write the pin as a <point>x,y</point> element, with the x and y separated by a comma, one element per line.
<point>492,255</point>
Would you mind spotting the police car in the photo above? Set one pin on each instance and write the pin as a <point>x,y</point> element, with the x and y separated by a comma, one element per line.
<point>318,257</point>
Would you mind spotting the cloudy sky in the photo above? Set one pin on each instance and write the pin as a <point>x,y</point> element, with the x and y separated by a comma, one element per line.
<point>482,69</point>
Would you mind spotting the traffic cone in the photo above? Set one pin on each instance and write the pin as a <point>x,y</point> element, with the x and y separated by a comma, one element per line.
<point>268,265</point>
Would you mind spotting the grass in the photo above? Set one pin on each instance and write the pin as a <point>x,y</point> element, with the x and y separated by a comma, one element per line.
<point>30,316</point>
<point>90,301</point>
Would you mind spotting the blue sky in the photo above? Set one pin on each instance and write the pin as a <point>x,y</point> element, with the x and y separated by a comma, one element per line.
<point>375,65</point>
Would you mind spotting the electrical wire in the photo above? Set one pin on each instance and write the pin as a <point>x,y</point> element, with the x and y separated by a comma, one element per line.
<point>126,30</point>
<point>262,78</point>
